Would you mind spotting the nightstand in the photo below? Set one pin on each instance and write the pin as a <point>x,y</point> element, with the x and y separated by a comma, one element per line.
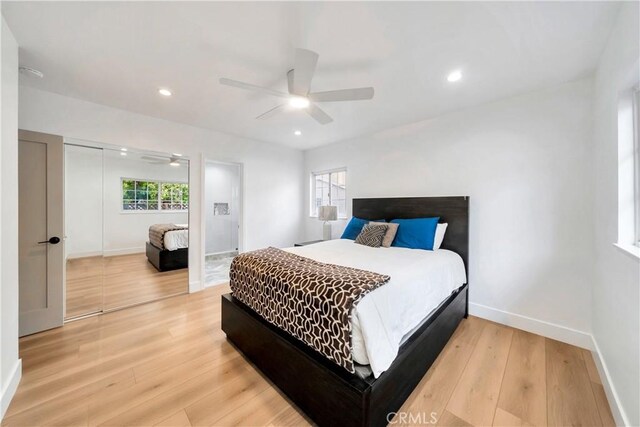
<point>310,242</point>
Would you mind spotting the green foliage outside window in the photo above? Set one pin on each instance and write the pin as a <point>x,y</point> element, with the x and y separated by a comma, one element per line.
<point>138,195</point>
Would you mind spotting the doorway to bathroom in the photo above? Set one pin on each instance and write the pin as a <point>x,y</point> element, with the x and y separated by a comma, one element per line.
<point>223,218</point>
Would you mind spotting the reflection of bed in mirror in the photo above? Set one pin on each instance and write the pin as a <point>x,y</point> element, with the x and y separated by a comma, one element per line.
<point>168,246</point>
<point>112,196</point>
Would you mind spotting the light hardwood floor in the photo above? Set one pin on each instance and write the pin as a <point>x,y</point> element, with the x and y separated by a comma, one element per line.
<point>168,363</point>
<point>94,283</point>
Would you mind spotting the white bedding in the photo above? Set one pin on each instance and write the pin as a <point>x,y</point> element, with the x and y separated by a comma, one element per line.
<point>176,239</point>
<point>420,281</point>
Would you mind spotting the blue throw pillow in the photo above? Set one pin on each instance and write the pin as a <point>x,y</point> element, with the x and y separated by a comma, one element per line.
<point>415,233</point>
<point>355,227</point>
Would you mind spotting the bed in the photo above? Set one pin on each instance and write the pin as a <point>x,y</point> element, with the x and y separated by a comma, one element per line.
<point>168,246</point>
<point>388,372</point>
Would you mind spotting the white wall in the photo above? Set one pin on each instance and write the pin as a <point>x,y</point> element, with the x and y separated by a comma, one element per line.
<point>10,366</point>
<point>127,232</point>
<point>616,293</point>
<point>222,185</point>
<point>525,163</point>
<point>271,172</point>
<point>83,201</point>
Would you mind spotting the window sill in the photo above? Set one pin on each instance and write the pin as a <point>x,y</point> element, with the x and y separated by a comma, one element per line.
<point>339,218</point>
<point>630,250</point>
<point>134,212</point>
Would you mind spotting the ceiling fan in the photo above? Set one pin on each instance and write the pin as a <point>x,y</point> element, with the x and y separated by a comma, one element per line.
<point>300,96</point>
<point>157,160</point>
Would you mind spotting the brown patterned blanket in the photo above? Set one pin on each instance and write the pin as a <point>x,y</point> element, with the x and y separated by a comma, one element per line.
<point>308,299</point>
<point>157,232</point>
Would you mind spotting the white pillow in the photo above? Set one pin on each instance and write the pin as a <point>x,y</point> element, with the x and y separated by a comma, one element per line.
<point>439,236</point>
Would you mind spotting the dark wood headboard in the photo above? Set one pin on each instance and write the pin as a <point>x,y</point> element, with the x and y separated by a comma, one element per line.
<point>452,210</point>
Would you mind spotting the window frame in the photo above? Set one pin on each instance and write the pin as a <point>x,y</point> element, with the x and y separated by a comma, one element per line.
<point>313,213</point>
<point>159,209</point>
<point>636,162</point>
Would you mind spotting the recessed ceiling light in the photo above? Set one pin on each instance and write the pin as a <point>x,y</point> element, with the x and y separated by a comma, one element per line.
<point>123,149</point>
<point>297,133</point>
<point>122,153</point>
<point>164,92</point>
<point>299,102</point>
<point>454,76</point>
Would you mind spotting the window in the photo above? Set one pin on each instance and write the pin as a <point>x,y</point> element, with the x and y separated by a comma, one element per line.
<point>629,170</point>
<point>329,188</point>
<point>636,161</point>
<point>175,196</point>
<point>142,195</point>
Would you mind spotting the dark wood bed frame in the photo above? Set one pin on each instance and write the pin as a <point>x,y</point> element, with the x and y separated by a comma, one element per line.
<point>326,392</point>
<point>165,260</point>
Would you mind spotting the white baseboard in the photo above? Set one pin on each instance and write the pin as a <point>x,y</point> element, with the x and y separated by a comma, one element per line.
<point>529,324</point>
<point>124,251</point>
<point>10,390</point>
<point>84,255</point>
<point>195,286</point>
<point>617,411</point>
<point>108,253</point>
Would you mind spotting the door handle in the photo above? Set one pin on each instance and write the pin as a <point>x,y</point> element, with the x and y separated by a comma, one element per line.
<point>54,240</point>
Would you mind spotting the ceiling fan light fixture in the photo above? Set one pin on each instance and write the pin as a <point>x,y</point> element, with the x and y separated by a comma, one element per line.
<point>454,76</point>
<point>299,102</point>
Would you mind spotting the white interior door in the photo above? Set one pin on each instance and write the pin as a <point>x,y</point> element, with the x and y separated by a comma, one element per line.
<point>40,231</point>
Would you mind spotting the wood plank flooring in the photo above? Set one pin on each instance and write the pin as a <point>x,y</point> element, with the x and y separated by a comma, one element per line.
<point>97,283</point>
<point>168,363</point>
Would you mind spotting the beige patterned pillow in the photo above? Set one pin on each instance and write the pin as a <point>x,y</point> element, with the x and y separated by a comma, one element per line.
<point>392,229</point>
<point>372,235</point>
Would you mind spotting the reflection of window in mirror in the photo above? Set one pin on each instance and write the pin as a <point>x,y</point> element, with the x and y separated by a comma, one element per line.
<point>148,195</point>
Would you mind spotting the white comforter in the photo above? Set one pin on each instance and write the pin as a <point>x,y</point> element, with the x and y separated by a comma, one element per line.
<point>420,281</point>
<point>176,239</point>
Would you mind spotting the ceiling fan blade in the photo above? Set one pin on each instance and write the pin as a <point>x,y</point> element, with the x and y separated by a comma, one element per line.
<point>305,66</point>
<point>249,86</point>
<point>270,113</point>
<point>154,158</point>
<point>355,94</point>
<point>319,115</point>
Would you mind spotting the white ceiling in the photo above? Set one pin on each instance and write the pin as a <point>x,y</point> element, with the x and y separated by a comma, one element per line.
<point>118,54</point>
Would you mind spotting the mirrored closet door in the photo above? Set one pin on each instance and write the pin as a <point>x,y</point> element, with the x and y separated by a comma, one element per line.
<point>127,228</point>
<point>83,212</point>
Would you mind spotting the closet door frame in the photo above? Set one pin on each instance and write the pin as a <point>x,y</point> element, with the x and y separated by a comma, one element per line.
<point>203,213</point>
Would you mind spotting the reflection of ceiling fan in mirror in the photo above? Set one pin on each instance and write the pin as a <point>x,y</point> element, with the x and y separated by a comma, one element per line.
<point>157,160</point>
<point>300,96</point>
